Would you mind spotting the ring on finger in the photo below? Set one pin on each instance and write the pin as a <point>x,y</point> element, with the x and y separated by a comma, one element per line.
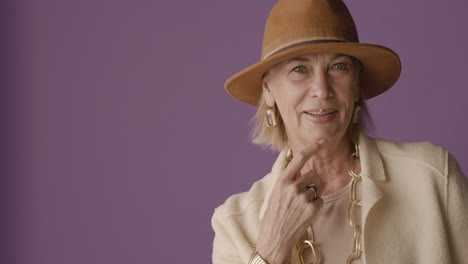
<point>315,190</point>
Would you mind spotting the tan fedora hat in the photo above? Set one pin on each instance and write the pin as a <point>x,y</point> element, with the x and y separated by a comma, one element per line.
<point>298,27</point>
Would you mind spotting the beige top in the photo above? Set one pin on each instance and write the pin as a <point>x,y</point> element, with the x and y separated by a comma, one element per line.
<point>332,231</point>
<point>414,208</point>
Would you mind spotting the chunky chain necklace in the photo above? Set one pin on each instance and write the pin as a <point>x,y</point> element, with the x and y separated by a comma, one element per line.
<point>354,202</point>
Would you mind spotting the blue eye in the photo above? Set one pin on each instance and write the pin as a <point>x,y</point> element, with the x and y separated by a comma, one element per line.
<point>339,66</point>
<point>300,69</point>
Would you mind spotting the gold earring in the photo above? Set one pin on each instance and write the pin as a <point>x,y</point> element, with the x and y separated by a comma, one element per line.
<point>289,156</point>
<point>270,118</point>
<point>355,130</point>
<point>357,109</point>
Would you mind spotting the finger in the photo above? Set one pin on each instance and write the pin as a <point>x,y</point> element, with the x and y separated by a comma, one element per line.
<point>316,206</point>
<point>299,159</point>
<point>307,179</point>
<point>313,192</point>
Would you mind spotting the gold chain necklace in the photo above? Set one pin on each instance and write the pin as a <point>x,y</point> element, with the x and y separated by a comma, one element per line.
<point>354,202</point>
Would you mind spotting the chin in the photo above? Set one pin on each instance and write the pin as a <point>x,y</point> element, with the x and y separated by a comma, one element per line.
<point>330,136</point>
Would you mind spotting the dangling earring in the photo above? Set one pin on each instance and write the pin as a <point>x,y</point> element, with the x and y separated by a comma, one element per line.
<point>357,109</point>
<point>355,129</point>
<point>270,118</point>
<point>289,156</point>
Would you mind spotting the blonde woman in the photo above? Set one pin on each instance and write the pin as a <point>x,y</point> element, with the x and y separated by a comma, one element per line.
<point>335,195</point>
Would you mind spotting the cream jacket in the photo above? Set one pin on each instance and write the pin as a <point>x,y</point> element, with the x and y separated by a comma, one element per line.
<point>414,207</point>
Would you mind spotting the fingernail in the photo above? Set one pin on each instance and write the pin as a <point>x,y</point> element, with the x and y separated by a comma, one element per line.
<point>322,141</point>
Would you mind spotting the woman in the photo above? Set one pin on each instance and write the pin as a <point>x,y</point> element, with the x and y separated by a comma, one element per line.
<point>334,195</point>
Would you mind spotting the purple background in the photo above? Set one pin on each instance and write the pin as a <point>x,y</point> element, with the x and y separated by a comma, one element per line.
<point>118,140</point>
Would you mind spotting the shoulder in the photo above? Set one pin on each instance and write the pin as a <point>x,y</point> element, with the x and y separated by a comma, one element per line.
<point>252,200</point>
<point>424,154</point>
<point>236,222</point>
<point>241,203</point>
<point>418,150</point>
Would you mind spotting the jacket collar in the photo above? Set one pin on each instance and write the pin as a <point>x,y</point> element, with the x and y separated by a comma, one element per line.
<point>371,169</point>
<point>371,161</point>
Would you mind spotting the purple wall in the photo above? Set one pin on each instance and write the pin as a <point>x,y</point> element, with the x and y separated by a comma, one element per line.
<point>119,140</point>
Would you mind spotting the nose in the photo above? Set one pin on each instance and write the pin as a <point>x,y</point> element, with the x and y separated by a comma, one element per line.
<point>319,85</point>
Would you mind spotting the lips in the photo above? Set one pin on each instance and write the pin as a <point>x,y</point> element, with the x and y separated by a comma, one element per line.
<point>320,112</point>
<point>321,116</point>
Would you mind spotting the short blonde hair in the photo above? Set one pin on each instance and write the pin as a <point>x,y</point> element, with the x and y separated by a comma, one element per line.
<point>276,137</point>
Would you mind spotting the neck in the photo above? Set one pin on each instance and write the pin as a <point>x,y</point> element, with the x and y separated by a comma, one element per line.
<point>331,165</point>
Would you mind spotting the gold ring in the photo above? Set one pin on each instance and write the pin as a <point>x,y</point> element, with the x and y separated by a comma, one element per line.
<point>315,189</point>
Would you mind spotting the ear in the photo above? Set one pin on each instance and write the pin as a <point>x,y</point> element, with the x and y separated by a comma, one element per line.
<point>267,94</point>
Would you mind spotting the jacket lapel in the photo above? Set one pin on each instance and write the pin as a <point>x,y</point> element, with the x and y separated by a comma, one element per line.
<point>372,171</point>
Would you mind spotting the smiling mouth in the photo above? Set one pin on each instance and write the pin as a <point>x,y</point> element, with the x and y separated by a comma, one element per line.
<point>319,113</point>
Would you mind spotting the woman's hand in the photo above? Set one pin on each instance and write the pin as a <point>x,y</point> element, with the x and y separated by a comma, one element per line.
<point>290,210</point>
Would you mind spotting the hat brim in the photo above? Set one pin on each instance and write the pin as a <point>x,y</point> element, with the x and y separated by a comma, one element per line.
<point>382,68</point>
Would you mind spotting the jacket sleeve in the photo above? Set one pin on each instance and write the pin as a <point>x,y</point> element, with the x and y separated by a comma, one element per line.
<point>225,248</point>
<point>457,212</point>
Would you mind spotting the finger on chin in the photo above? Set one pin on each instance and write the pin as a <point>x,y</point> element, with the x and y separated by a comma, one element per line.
<point>299,159</point>
<point>313,148</point>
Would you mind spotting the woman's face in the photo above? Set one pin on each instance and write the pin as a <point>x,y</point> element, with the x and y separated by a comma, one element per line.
<point>315,95</point>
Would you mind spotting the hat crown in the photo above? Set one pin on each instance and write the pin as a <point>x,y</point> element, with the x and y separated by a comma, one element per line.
<point>292,22</point>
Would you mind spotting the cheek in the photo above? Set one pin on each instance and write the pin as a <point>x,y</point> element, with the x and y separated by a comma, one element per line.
<point>356,89</point>
<point>286,94</point>
<point>288,102</point>
<point>348,98</point>
<point>287,99</point>
<point>350,90</point>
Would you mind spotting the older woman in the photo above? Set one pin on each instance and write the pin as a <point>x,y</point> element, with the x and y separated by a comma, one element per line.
<point>334,195</point>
